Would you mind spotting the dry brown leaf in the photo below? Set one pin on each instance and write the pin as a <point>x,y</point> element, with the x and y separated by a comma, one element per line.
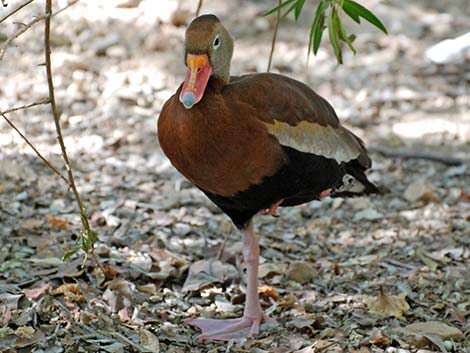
<point>35,293</point>
<point>149,341</point>
<point>465,196</point>
<point>205,272</point>
<point>268,291</point>
<point>437,328</point>
<point>377,338</point>
<point>386,306</point>
<point>71,291</point>
<point>119,296</point>
<point>6,315</point>
<point>301,272</point>
<point>24,331</point>
<point>123,315</point>
<point>57,223</point>
<point>149,288</point>
<point>300,323</point>
<point>86,317</point>
<point>288,301</point>
<point>269,269</point>
<point>460,316</point>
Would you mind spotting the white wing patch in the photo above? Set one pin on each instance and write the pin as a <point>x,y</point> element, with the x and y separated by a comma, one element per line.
<point>350,184</point>
<point>336,143</point>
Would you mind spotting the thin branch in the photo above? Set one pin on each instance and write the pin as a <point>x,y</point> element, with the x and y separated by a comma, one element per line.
<point>65,7</point>
<point>198,9</point>
<point>273,43</point>
<point>407,154</point>
<point>41,102</point>
<point>16,10</point>
<point>49,164</point>
<point>18,33</point>
<point>55,114</point>
<point>47,52</point>
<point>28,26</point>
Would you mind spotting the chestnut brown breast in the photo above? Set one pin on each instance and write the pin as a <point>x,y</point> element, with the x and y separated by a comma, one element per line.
<point>220,144</point>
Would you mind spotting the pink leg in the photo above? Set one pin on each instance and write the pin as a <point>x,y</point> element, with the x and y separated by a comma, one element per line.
<point>253,315</point>
<point>272,210</point>
<point>325,193</point>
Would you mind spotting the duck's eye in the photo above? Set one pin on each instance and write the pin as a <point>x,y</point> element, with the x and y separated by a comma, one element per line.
<point>216,42</point>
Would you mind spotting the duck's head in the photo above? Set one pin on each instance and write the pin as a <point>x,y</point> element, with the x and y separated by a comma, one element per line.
<point>208,50</point>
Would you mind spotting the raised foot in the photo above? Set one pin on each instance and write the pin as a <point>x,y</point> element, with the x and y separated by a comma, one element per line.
<point>229,329</point>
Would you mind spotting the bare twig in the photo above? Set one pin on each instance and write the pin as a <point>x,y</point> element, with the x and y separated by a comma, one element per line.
<point>53,105</point>
<point>404,153</point>
<point>65,7</point>
<point>28,26</point>
<point>47,52</point>
<point>49,164</point>
<point>198,9</point>
<point>41,102</point>
<point>273,42</point>
<point>16,10</point>
<point>18,33</point>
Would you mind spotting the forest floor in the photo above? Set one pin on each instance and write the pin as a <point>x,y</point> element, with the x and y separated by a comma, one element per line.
<point>389,273</point>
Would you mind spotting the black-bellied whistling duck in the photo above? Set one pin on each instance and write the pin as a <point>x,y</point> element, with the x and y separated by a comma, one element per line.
<point>253,143</point>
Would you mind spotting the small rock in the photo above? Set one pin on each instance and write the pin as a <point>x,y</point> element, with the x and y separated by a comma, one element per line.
<point>368,214</point>
<point>101,45</point>
<point>22,196</point>
<point>421,190</point>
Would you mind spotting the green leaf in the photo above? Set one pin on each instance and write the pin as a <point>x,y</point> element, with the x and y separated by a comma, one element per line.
<point>355,10</point>
<point>333,33</point>
<point>298,8</point>
<point>352,13</point>
<point>344,36</point>
<point>279,7</point>
<point>71,252</point>
<point>289,10</point>
<point>316,31</point>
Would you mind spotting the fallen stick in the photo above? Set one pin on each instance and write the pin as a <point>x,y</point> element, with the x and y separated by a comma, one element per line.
<point>408,154</point>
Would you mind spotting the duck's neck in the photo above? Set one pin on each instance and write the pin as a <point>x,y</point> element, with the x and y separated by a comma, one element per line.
<point>223,74</point>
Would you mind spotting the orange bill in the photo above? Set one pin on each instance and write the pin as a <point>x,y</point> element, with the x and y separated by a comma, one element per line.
<point>195,82</point>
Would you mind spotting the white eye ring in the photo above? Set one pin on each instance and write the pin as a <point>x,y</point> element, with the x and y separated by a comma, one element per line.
<point>217,42</point>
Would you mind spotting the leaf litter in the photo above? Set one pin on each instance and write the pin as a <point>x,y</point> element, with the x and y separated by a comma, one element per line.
<point>384,274</point>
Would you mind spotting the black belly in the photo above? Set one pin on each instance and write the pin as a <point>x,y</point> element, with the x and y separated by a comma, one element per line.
<point>300,180</point>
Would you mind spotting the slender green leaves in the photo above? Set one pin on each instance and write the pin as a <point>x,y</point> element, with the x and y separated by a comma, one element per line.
<point>355,10</point>
<point>330,11</point>
<point>333,33</point>
<point>298,8</point>
<point>279,7</point>
<point>316,31</point>
<point>344,36</point>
